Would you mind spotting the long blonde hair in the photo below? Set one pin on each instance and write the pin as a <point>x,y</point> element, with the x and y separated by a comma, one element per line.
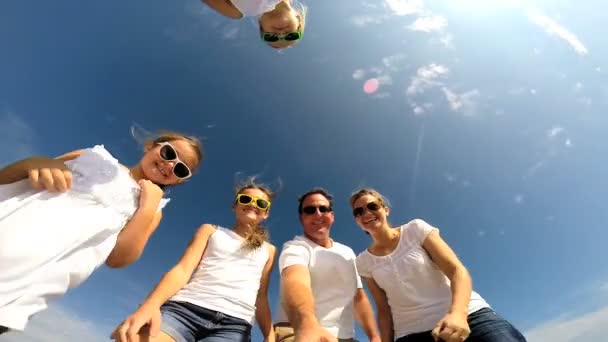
<point>258,234</point>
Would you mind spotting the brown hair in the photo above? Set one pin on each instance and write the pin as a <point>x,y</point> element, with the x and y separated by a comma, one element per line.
<point>369,191</point>
<point>258,234</point>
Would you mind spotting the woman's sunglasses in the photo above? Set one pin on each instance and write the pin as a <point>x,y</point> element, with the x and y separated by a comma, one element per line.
<point>271,37</point>
<point>311,209</point>
<point>259,203</point>
<point>180,169</point>
<point>372,206</point>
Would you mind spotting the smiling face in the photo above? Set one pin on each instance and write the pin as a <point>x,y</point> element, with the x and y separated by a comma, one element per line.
<point>250,214</point>
<point>160,171</point>
<point>316,220</point>
<point>370,213</point>
<point>281,20</point>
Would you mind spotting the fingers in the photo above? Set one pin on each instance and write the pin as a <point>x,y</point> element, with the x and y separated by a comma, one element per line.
<point>50,179</point>
<point>155,326</point>
<point>34,176</point>
<point>437,330</point>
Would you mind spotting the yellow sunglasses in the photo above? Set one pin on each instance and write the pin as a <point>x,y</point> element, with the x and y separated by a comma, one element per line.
<point>259,203</point>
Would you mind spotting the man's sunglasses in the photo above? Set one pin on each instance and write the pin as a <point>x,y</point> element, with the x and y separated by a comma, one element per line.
<point>259,203</point>
<point>180,169</point>
<point>311,209</point>
<point>372,206</point>
<point>271,37</point>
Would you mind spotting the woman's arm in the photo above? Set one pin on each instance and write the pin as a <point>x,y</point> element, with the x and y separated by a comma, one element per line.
<point>149,311</point>
<point>448,263</point>
<point>262,308</point>
<point>46,167</point>
<point>225,8</point>
<point>179,275</point>
<point>383,310</point>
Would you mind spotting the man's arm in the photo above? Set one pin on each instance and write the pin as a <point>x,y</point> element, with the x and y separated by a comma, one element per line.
<point>365,315</point>
<point>297,297</point>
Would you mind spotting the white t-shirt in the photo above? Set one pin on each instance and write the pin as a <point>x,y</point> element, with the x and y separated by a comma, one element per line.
<point>334,282</point>
<point>417,291</point>
<point>228,277</point>
<point>252,8</point>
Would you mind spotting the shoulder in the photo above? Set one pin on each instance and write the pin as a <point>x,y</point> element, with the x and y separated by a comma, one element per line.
<point>417,229</point>
<point>207,229</point>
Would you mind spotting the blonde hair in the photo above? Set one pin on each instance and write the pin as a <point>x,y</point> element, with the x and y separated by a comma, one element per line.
<point>258,234</point>
<point>369,191</point>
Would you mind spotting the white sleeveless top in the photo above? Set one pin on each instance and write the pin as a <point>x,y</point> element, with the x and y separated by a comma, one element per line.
<point>50,242</point>
<point>228,277</point>
<point>417,292</point>
<point>252,8</point>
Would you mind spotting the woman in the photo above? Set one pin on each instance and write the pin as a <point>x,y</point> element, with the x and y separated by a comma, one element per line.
<point>218,287</point>
<point>422,291</point>
<point>281,22</point>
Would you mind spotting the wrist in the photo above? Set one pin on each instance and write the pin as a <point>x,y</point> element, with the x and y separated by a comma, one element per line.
<point>307,322</point>
<point>459,311</point>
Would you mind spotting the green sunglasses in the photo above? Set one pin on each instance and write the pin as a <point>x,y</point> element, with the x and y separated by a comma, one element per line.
<point>271,37</point>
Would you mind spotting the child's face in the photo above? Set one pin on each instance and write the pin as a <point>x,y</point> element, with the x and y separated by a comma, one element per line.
<point>161,171</point>
<point>281,20</point>
<point>250,213</point>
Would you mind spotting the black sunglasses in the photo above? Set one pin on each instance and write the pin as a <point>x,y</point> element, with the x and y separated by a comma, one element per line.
<point>271,37</point>
<point>311,209</point>
<point>372,206</point>
<point>168,153</point>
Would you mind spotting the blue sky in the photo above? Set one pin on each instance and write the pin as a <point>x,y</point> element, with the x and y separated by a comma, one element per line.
<point>488,122</point>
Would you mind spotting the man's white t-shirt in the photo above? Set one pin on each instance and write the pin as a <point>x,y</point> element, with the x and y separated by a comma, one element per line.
<point>334,282</point>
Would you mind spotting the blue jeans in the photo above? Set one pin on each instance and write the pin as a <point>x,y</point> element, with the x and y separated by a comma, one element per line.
<point>486,326</point>
<point>186,322</point>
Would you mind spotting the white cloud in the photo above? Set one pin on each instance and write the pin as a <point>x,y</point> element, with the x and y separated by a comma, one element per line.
<point>231,33</point>
<point>366,20</point>
<point>553,28</point>
<point>405,7</point>
<point>57,325</point>
<point>465,103</point>
<point>481,233</point>
<point>590,326</point>
<point>554,131</point>
<point>568,143</point>
<point>358,74</point>
<point>426,77</point>
<point>578,86</point>
<point>518,199</point>
<point>447,40</point>
<point>429,24</point>
<point>394,62</point>
<point>18,138</point>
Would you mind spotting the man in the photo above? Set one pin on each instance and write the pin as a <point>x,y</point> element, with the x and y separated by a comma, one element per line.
<point>321,292</point>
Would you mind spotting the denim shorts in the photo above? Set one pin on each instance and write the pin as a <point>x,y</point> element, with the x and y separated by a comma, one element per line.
<point>186,322</point>
<point>486,326</point>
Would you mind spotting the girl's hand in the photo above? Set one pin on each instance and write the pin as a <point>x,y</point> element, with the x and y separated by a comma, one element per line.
<point>151,194</point>
<point>50,175</point>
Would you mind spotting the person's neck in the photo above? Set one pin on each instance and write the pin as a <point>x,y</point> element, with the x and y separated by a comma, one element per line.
<point>326,242</point>
<point>136,172</point>
<point>385,237</point>
<point>242,228</point>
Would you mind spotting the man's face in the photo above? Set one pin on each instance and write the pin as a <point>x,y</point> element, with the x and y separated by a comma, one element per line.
<point>317,217</point>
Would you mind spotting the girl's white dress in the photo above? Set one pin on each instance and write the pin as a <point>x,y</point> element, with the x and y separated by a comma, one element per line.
<point>50,242</point>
